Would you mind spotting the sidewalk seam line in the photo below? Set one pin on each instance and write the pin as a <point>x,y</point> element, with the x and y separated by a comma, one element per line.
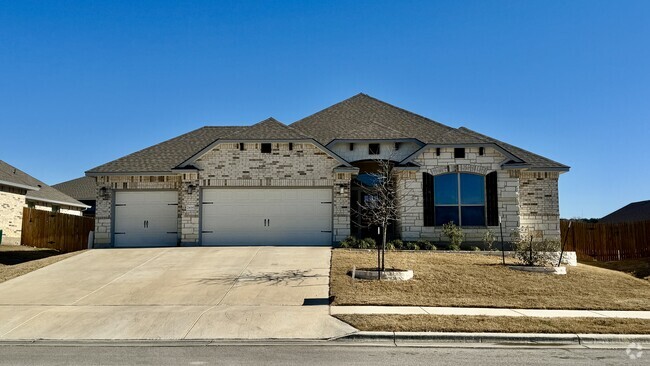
<point>120,276</point>
<point>23,323</point>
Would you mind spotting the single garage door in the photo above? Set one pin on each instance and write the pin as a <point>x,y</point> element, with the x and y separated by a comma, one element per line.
<point>146,219</point>
<point>283,216</point>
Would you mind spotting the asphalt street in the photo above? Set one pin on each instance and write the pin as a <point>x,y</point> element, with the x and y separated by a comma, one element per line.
<point>308,355</point>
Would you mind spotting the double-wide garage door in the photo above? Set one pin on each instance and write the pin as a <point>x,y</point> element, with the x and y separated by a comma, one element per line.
<point>146,219</point>
<point>282,216</point>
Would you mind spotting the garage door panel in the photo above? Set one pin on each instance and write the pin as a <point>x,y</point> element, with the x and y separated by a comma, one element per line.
<point>146,218</point>
<point>266,217</point>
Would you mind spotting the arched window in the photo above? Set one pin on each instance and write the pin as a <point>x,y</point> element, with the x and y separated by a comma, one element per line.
<point>457,198</point>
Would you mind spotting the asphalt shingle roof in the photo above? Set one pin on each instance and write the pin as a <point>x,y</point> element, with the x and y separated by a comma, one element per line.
<point>364,117</point>
<point>45,192</point>
<point>166,155</point>
<point>535,161</point>
<point>82,189</point>
<point>269,129</point>
<point>636,211</point>
<point>360,117</point>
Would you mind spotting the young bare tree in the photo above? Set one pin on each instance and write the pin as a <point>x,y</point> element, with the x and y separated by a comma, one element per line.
<point>381,206</point>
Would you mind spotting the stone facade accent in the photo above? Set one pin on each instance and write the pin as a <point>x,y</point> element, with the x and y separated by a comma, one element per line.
<point>12,202</point>
<point>539,204</point>
<point>304,165</point>
<point>412,202</point>
<point>526,200</point>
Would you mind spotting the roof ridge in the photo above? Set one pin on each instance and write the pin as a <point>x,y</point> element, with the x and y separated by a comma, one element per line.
<point>407,111</point>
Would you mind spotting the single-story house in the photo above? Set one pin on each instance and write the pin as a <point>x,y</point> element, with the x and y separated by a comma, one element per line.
<point>82,189</point>
<point>18,190</point>
<point>635,211</point>
<point>298,184</point>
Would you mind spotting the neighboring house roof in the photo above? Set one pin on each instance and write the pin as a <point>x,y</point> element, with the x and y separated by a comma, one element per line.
<point>636,211</point>
<point>165,155</point>
<point>269,129</point>
<point>82,189</point>
<point>9,176</point>
<point>360,117</point>
<point>44,193</point>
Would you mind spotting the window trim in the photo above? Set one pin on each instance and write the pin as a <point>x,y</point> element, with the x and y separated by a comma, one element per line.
<point>460,205</point>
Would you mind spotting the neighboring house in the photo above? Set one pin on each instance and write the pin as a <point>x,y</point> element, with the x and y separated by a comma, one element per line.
<point>18,190</point>
<point>82,189</point>
<point>273,184</point>
<point>636,211</point>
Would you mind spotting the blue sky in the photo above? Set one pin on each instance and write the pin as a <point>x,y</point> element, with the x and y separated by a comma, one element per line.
<point>83,83</point>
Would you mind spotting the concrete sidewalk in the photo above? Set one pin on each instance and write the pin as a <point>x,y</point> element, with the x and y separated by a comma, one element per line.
<point>542,313</point>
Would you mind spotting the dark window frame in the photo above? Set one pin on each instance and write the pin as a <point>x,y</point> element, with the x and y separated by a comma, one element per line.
<point>459,205</point>
<point>459,153</point>
<point>266,148</point>
<point>374,149</point>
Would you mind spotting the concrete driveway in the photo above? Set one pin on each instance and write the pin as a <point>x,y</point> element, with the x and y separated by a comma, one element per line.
<point>174,293</point>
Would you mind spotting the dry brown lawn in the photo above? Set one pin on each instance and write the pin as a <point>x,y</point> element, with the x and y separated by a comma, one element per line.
<point>474,280</point>
<point>17,260</point>
<point>639,268</point>
<point>497,324</point>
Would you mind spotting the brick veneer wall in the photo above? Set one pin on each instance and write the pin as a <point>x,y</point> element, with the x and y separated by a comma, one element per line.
<point>103,213</point>
<point>226,166</point>
<point>539,204</point>
<point>306,165</point>
<point>11,215</point>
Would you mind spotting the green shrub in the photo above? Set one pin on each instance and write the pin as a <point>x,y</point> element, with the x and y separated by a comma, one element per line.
<point>536,252</point>
<point>396,244</point>
<point>454,247</point>
<point>367,243</point>
<point>411,245</point>
<point>349,242</point>
<point>455,235</point>
<point>425,245</point>
<point>488,240</point>
<point>390,246</point>
<point>474,248</point>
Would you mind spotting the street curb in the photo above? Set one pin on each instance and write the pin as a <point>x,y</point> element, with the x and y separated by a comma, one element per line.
<point>497,338</point>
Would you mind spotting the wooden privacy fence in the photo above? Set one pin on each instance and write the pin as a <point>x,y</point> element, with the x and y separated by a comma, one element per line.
<point>607,242</point>
<point>66,233</point>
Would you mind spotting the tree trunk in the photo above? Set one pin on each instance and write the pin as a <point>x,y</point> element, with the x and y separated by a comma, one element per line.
<point>378,263</point>
<point>383,248</point>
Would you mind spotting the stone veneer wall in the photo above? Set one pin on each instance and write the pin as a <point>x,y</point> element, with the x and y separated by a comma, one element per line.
<point>103,213</point>
<point>412,201</point>
<point>12,202</point>
<point>306,165</point>
<point>539,204</point>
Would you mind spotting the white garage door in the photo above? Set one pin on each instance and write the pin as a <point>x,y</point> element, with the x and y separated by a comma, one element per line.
<point>233,216</point>
<point>146,219</point>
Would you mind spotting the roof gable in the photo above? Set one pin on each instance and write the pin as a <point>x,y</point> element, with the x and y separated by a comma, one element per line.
<point>268,129</point>
<point>161,158</point>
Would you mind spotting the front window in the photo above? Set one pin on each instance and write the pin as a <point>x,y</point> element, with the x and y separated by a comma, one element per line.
<point>459,198</point>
